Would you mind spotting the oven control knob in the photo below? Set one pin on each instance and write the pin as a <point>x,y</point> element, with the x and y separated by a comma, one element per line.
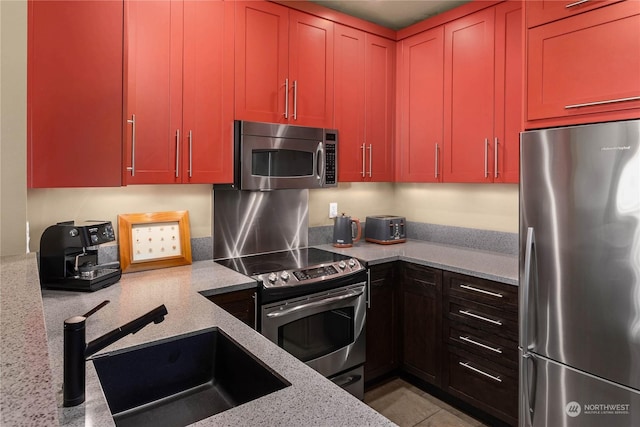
<point>352,262</point>
<point>284,276</point>
<point>272,278</point>
<point>342,265</point>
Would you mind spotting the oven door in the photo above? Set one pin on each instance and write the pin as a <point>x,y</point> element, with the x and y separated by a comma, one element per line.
<point>270,163</point>
<point>325,330</point>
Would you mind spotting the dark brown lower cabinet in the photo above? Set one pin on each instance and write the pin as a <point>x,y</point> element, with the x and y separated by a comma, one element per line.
<point>382,323</point>
<point>241,304</point>
<point>421,308</point>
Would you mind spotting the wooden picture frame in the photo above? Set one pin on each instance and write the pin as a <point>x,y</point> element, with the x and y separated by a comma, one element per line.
<point>154,240</point>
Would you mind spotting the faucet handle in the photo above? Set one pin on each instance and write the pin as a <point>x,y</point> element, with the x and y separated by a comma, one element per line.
<point>96,308</point>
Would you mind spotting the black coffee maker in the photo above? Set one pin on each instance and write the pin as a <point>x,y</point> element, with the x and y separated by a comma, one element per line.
<point>68,258</point>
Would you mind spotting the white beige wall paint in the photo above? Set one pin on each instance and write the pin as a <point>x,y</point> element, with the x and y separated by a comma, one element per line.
<point>13,127</point>
<point>354,199</point>
<point>48,206</point>
<point>481,206</point>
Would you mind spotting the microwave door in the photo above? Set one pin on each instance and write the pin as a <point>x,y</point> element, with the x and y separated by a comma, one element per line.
<point>278,163</point>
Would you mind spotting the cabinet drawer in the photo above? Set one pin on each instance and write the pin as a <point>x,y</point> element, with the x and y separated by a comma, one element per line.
<point>482,291</point>
<point>487,385</point>
<point>483,317</point>
<point>543,11</point>
<point>499,349</point>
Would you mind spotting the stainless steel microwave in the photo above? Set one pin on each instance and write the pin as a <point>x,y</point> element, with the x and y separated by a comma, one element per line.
<point>272,156</point>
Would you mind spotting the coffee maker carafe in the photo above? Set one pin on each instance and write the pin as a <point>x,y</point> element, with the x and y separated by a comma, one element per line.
<point>343,231</point>
<point>68,258</point>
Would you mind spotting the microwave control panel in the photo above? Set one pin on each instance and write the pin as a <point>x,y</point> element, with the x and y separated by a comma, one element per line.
<point>330,158</point>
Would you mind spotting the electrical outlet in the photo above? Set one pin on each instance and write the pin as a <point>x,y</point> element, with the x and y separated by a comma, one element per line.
<point>333,210</point>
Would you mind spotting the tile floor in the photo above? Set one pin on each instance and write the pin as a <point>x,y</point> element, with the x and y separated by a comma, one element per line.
<point>409,406</point>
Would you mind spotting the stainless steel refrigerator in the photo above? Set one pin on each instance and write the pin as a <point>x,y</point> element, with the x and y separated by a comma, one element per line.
<point>580,276</point>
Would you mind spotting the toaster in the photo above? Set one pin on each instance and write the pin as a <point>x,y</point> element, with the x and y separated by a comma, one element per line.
<point>385,229</point>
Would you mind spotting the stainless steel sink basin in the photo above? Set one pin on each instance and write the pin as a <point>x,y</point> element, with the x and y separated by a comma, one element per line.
<point>182,381</point>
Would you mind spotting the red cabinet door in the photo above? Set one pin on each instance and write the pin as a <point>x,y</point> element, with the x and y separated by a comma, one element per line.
<point>310,70</point>
<point>207,144</point>
<point>261,62</point>
<point>379,107</point>
<point>153,91</point>
<point>585,68</point>
<point>74,94</point>
<point>469,97</point>
<point>420,98</point>
<point>543,11</point>
<point>505,164</point>
<point>350,102</point>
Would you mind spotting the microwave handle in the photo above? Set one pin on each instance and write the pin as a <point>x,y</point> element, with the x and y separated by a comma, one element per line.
<point>320,163</point>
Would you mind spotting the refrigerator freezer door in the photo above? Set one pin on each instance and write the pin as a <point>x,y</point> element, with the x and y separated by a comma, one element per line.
<point>562,396</point>
<point>580,193</point>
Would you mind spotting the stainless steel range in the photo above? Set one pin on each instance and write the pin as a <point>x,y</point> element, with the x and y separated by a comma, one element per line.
<point>312,303</point>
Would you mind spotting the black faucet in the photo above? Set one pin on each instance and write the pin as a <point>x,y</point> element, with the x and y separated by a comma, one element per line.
<point>76,349</point>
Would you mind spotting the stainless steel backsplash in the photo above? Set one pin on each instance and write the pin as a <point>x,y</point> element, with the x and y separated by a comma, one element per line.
<point>249,222</point>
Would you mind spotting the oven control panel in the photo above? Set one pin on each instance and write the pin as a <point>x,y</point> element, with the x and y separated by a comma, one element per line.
<point>311,274</point>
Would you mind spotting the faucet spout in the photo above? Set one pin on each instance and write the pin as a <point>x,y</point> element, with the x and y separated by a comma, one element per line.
<point>76,350</point>
<point>156,316</point>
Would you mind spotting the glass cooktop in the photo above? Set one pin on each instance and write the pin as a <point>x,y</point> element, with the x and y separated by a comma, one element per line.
<point>253,265</point>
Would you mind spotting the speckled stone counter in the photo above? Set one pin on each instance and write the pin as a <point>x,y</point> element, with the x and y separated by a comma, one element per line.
<point>31,386</point>
<point>487,265</point>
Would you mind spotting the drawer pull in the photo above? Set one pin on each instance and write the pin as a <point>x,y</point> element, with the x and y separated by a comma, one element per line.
<point>574,4</point>
<point>493,377</point>
<point>609,101</point>
<point>482,291</point>
<point>469,340</point>
<point>477,316</point>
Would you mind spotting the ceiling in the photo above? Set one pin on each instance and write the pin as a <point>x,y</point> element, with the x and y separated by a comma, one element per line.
<point>394,14</point>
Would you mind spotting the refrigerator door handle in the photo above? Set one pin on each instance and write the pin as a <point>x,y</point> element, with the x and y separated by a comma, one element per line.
<point>526,409</point>
<point>529,271</point>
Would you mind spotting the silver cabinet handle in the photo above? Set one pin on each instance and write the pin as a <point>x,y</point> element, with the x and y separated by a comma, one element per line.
<point>577,3</point>
<point>295,100</point>
<point>477,316</point>
<point>495,157</point>
<point>472,288</point>
<point>320,303</point>
<point>486,157</point>
<point>190,154</point>
<point>436,166</point>
<point>608,101</point>
<point>286,98</point>
<point>370,161</point>
<point>368,288</point>
<point>177,152</point>
<point>132,168</point>
<point>363,160</point>
<point>493,377</point>
<point>479,344</point>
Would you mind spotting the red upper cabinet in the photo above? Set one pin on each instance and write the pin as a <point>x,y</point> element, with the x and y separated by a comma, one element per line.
<point>207,138</point>
<point>74,94</point>
<point>585,68</point>
<point>350,102</point>
<point>469,97</point>
<point>420,107</point>
<point>178,119</point>
<point>509,60</point>
<point>379,79</point>
<point>283,65</point>
<point>364,99</point>
<point>543,11</point>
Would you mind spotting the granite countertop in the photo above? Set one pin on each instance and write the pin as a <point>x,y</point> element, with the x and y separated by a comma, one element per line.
<point>31,343</point>
<point>31,336</point>
<point>484,264</point>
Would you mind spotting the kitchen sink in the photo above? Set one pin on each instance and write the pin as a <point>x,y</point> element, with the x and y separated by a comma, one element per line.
<point>182,381</point>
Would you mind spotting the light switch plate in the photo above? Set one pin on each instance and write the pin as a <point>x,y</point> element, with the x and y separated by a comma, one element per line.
<point>333,210</point>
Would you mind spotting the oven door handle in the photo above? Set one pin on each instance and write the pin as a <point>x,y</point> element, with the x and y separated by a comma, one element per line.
<point>326,301</point>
